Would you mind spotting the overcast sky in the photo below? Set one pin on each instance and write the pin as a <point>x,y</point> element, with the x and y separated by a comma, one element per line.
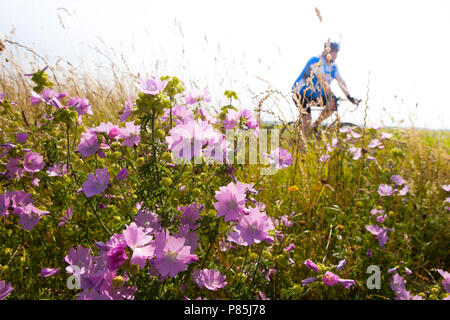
<point>242,45</point>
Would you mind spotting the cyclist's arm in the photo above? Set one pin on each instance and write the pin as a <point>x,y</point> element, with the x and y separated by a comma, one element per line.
<point>342,85</point>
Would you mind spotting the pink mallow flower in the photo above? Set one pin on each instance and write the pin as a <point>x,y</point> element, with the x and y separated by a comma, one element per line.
<point>80,105</point>
<point>254,227</point>
<point>210,279</point>
<point>5,289</point>
<point>151,86</point>
<point>311,265</point>
<point>380,233</point>
<point>280,158</point>
<point>446,281</point>
<point>96,184</point>
<point>231,201</point>
<point>385,190</point>
<point>195,96</point>
<point>88,144</point>
<point>66,217</point>
<point>446,188</point>
<point>356,152</point>
<point>48,272</point>
<point>126,110</point>
<point>33,162</point>
<point>29,216</point>
<point>231,119</point>
<point>130,134</point>
<point>191,215</point>
<point>112,131</point>
<point>330,279</point>
<point>57,170</point>
<point>139,242</point>
<point>171,254</point>
<point>398,180</point>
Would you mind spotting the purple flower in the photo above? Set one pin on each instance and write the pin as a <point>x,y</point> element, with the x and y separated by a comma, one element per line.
<point>111,130</point>
<point>33,162</point>
<point>22,137</point>
<point>330,279</point>
<point>341,264</point>
<point>66,217</point>
<point>446,281</point>
<point>191,215</point>
<point>122,174</point>
<point>195,96</point>
<point>289,247</point>
<point>356,152</point>
<point>79,260</point>
<point>171,255</point>
<point>29,216</point>
<point>446,187</point>
<point>380,233</point>
<point>374,143</point>
<point>116,256</point>
<point>81,106</point>
<point>14,169</point>
<point>398,180</point>
<point>308,281</point>
<point>139,242</point>
<point>88,144</point>
<point>324,158</point>
<point>311,265</point>
<point>392,270</point>
<point>231,201</point>
<point>254,226</point>
<point>403,191</point>
<point>369,253</point>
<point>48,272</point>
<point>130,134</point>
<point>96,184</point>
<point>385,190</point>
<point>210,279</point>
<point>386,135</point>
<point>48,96</point>
<point>5,289</point>
<point>270,272</point>
<point>126,110</point>
<point>346,283</point>
<point>151,86</point>
<point>148,220</point>
<point>408,271</point>
<point>231,119</point>
<point>57,170</point>
<point>280,158</point>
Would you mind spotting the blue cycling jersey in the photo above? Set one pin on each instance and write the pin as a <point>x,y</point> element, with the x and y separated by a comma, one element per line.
<point>318,65</point>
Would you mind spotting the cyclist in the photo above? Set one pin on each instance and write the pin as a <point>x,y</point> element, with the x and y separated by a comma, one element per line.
<point>313,85</point>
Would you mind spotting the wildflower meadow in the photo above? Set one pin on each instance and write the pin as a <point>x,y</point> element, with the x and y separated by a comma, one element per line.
<point>151,194</point>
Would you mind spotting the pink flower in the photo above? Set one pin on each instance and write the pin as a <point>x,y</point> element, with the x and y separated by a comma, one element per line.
<point>33,162</point>
<point>139,242</point>
<point>191,215</point>
<point>48,96</point>
<point>112,131</point>
<point>126,110</point>
<point>269,273</point>
<point>148,220</point>
<point>374,143</point>
<point>330,279</point>
<point>386,135</point>
<point>88,144</point>
<point>289,247</point>
<point>311,265</point>
<point>57,170</point>
<point>308,281</point>
<point>403,191</point>
<point>231,201</point>
<point>96,184</point>
<point>151,86</point>
<point>210,279</point>
<point>195,96</point>
<point>231,119</point>
<point>130,134</point>
<point>122,174</point>
<point>29,216</point>
<point>254,226</point>
<point>324,158</point>
<point>14,168</point>
<point>346,283</point>
<point>5,289</point>
<point>446,281</point>
<point>171,255</point>
<point>385,190</point>
<point>280,158</point>
<point>380,233</point>
<point>80,105</point>
<point>48,272</point>
<point>356,152</point>
<point>398,180</point>
<point>66,217</point>
<point>22,137</point>
<point>341,264</point>
<point>446,188</point>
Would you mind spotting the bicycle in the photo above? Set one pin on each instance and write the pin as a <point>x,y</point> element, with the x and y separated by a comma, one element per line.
<point>293,126</point>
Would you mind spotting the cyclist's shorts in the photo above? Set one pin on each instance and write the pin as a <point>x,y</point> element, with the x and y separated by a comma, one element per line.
<point>302,100</point>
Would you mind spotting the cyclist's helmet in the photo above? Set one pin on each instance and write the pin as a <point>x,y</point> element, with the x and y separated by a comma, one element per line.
<point>333,46</point>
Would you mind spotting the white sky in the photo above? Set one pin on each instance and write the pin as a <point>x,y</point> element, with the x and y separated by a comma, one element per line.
<point>233,44</point>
